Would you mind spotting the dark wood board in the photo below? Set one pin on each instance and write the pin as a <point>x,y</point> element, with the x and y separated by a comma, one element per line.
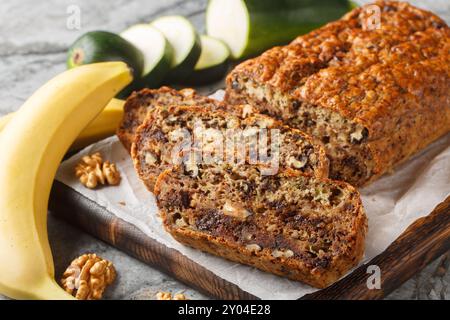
<point>424,241</point>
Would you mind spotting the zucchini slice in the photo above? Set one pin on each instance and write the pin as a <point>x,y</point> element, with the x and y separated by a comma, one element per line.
<point>212,64</point>
<point>157,53</point>
<point>185,42</point>
<point>101,46</point>
<point>249,27</point>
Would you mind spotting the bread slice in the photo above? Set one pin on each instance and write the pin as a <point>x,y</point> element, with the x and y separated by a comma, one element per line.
<point>374,96</point>
<point>176,134</point>
<point>139,103</point>
<point>290,224</point>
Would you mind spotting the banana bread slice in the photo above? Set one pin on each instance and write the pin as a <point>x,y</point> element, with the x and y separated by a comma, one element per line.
<point>194,135</point>
<point>374,94</point>
<point>290,224</point>
<point>139,103</point>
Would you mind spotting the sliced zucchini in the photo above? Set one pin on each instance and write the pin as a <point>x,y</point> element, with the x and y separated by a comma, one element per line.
<point>157,53</point>
<point>101,46</point>
<point>249,27</point>
<point>185,42</point>
<point>212,64</point>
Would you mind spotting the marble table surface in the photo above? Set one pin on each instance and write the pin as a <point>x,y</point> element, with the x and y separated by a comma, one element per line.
<point>34,37</point>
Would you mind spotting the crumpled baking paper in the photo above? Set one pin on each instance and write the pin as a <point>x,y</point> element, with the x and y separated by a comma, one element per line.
<point>392,203</point>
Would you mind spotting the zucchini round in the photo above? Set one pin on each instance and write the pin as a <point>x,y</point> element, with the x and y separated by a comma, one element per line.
<point>102,46</point>
<point>212,64</point>
<point>185,42</point>
<point>249,27</point>
<point>157,53</point>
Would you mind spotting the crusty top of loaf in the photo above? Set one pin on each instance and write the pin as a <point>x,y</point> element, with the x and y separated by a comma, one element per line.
<point>344,67</point>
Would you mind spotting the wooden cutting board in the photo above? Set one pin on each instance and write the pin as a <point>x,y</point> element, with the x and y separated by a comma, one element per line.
<point>425,240</point>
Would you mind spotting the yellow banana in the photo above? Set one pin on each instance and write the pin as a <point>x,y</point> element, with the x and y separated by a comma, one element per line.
<point>5,119</point>
<point>103,126</point>
<point>32,146</point>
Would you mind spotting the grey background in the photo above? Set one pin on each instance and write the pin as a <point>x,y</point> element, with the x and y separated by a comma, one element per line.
<point>34,38</point>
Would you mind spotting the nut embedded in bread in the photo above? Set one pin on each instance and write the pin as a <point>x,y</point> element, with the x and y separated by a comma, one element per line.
<point>373,96</point>
<point>290,224</point>
<point>220,137</point>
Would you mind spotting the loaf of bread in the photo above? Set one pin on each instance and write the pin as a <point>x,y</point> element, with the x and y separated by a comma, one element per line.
<point>290,224</point>
<point>139,103</point>
<point>193,135</point>
<point>375,92</point>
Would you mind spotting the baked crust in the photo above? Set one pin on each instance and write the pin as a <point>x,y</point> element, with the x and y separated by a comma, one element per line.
<point>394,81</point>
<point>206,226</point>
<point>141,102</point>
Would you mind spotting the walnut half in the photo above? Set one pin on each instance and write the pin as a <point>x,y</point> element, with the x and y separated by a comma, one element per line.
<point>88,276</point>
<point>92,171</point>
<point>168,296</point>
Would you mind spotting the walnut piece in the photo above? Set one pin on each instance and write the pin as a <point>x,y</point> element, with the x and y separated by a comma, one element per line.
<point>187,92</point>
<point>282,253</point>
<point>235,210</point>
<point>253,247</point>
<point>111,173</point>
<point>164,296</point>
<point>180,223</point>
<point>180,296</point>
<point>168,296</point>
<point>88,276</point>
<point>92,171</point>
<point>93,160</point>
<point>247,110</point>
<point>150,159</point>
<point>297,163</point>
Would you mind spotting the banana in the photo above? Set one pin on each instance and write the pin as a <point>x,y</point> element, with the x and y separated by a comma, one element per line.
<point>32,146</point>
<point>103,126</point>
<point>5,120</point>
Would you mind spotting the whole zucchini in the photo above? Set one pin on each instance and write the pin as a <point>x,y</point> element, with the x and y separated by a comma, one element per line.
<point>249,27</point>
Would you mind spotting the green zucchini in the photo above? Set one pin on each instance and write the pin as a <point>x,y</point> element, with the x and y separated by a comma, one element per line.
<point>212,64</point>
<point>101,46</point>
<point>249,27</point>
<point>157,53</point>
<point>185,42</point>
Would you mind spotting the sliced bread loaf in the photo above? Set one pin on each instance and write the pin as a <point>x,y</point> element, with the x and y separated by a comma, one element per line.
<point>139,103</point>
<point>375,95</point>
<point>290,224</point>
<point>193,135</point>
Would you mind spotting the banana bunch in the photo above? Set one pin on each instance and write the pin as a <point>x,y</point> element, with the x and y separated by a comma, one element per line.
<point>32,146</point>
<point>103,126</point>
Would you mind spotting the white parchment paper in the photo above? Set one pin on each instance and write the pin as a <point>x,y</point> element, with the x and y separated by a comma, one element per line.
<point>392,203</point>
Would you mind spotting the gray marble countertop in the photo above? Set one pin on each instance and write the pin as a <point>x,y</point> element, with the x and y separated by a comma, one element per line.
<point>34,37</point>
